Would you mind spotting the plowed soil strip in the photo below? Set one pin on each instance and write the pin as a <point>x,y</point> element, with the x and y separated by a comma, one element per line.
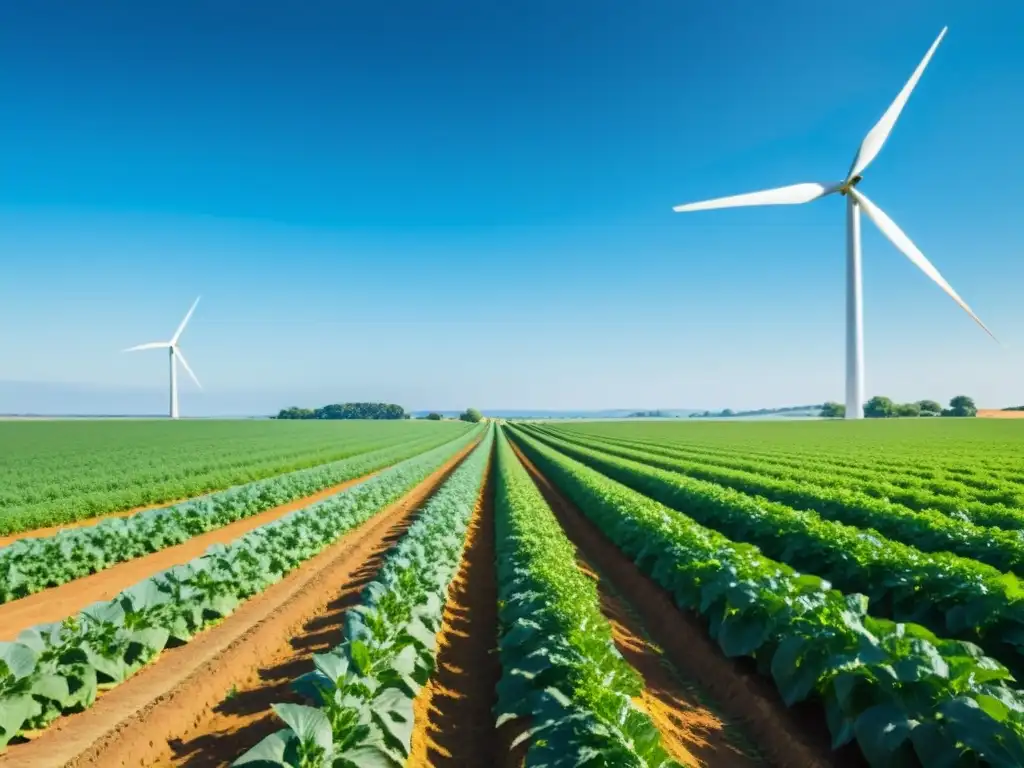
<point>57,603</point>
<point>742,696</point>
<point>155,716</point>
<point>454,724</point>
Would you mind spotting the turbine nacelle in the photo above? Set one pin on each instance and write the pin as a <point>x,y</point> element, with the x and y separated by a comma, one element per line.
<point>848,185</point>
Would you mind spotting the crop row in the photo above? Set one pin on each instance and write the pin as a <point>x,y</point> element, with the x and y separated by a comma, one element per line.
<point>363,689</point>
<point>965,599</point>
<point>928,530</point>
<point>62,472</point>
<point>937,451</point>
<point>902,693</point>
<point>561,671</point>
<point>57,668</point>
<point>999,504</point>
<point>34,564</point>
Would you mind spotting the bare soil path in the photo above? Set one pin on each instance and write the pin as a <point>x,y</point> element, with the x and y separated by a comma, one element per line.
<point>57,603</point>
<point>171,712</point>
<point>454,722</point>
<point>669,647</point>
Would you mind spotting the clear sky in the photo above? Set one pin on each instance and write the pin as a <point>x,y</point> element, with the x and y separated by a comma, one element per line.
<point>469,202</point>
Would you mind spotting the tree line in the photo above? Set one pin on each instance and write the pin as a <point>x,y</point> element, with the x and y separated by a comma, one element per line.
<point>881,407</point>
<point>347,411</point>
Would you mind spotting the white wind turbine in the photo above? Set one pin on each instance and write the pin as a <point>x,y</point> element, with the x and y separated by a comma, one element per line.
<point>175,354</point>
<point>855,200</point>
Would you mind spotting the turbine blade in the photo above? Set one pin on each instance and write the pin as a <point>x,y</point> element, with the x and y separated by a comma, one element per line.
<point>791,195</point>
<point>181,358</point>
<point>903,243</point>
<point>876,137</point>
<point>151,345</point>
<point>177,334</point>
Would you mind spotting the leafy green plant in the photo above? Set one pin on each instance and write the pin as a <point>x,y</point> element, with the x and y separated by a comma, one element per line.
<point>34,564</point>
<point>364,689</point>
<point>560,668</point>
<point>966,599</point>
<point>109,641</point>
<point>898,690</point>
<point>54,472</point>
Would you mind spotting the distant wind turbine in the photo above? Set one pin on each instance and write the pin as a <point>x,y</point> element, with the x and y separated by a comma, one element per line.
<point>175,354</point>
<point>855,200</point>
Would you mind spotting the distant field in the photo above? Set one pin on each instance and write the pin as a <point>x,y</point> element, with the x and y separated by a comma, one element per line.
<point>923,441</point>
<point>990,413</point>
<point>54,472</point>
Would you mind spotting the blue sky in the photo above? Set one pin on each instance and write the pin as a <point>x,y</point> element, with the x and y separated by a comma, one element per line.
<point>467,202</point>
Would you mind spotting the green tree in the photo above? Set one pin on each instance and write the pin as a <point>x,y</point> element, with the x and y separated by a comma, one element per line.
<point>961,405</point>
<point>878,407</point>
<point>472,415</point>
<point>434,416</point>
<point>929,407</point>
<point>832,410</point>
<point>907,410</point>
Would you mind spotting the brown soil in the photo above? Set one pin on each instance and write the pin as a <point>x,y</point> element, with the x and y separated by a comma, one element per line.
<point>691,733</point>
<point>222,679</point>
<point>742,695</point>
<point>39,533</point>
<point>454,723</point>
<point>991,413</point>
<point>57,603</point>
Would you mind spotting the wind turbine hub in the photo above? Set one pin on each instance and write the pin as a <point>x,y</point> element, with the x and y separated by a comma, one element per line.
<point>851,184</point>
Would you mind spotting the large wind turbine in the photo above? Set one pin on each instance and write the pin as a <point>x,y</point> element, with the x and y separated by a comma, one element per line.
<point>855,200</point>
<point>175,354</point>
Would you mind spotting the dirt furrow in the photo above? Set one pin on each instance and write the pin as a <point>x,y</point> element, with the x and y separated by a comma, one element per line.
<point>740,694</point>
<point>454,723</point>
<point>180,711</point>
<point>57,603</point>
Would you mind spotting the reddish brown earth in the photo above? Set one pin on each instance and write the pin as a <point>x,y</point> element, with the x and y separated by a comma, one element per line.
<point>691,732</point>
<point>454,723</point>
<point>991,413</point>
<point>57,603</point>
<point>744,697</point>
<point>204,703</point>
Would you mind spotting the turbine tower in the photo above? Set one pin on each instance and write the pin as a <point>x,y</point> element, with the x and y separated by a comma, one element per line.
<point>855,201</point>
<point>176,355</point>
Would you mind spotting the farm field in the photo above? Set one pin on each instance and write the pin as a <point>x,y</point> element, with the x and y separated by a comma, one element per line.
<point>59,472</point>
<point>655,594</point>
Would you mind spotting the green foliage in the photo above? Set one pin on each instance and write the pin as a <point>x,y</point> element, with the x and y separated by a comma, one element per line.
<point>929,407</point>
<point>108,641</point>
<point>54,472</point>
<point>364,688</point>
<point>560,668</point>
<point>33,564</point>
<point>471,415</point>
<point>347,411</point>
<point>906,410</point>
<point>903,694</point>
<point>966,599</point>
<point>878,407</point>
<point>962,406</point>
<point>433,416</point>
<point>832,410</point>
<point>926,529</point>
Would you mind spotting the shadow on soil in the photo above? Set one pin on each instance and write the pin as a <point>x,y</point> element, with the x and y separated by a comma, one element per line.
<point>319,635</point>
